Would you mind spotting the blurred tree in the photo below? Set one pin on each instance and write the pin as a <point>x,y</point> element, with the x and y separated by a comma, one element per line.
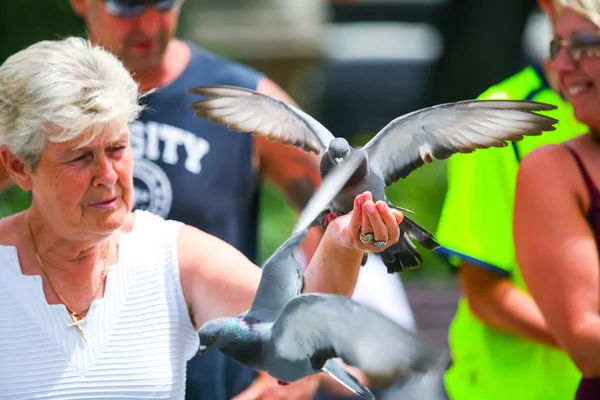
<point>483,46</point>
<point>25,22</point>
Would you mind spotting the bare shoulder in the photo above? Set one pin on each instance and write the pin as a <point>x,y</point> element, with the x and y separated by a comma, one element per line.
<point>550,164</point>
<point>553,171</point>
<point>545,156</point>
<point>201,253</point>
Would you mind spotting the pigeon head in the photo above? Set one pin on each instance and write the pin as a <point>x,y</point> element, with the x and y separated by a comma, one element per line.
<point>339,149</point>
<point>218,333</point>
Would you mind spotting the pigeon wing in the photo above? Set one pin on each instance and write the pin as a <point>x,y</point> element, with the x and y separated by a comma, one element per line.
<point>245,110</point>
<point>282,275</point>
<point>282,279</point>
<point>328,326</point>
<point>330,187</point>
<point>438,132</point>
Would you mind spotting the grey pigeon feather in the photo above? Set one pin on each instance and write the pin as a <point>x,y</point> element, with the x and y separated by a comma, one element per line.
<point>328,326</point>
<point>403,145</point>
<point>333,368</point>
<point>334,183</point>
<point>438,132</point>
<point>243,111</point>
<point>278,286</point>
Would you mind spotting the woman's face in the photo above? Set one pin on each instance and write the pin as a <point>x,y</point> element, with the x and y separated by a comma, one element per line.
<point>578,69</point>
<point>88,189</point>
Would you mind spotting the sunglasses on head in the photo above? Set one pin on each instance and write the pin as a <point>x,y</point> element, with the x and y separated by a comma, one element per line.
<point>135,8</point>
<point>578,46</point>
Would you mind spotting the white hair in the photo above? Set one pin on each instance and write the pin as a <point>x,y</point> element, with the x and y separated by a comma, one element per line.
<point>60,90</point>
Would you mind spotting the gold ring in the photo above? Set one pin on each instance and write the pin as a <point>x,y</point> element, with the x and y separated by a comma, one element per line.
<point>365,237</point>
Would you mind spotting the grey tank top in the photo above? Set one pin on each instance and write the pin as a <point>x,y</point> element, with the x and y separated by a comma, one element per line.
<point>191,170</point>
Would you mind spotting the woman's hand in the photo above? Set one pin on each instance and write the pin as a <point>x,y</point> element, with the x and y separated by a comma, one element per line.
<point>265,387</point>
<point>376,221</point>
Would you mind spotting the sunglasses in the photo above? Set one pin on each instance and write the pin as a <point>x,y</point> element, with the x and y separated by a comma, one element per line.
<point>578,46</point>
<point>135,8</point>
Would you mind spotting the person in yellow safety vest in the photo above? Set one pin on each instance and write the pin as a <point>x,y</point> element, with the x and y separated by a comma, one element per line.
<point>499,343</point>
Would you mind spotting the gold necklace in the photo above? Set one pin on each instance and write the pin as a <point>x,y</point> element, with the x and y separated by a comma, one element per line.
<point>76,322</point>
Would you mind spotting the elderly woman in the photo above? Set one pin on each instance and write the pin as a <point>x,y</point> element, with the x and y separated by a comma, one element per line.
<point>97,301</point>
<point>557,208</point>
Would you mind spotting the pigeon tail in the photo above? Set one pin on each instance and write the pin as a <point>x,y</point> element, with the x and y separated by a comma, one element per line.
<point>337,372</point>
<point>418,233</point>
<point>401,255</point>
<point>365,256</point>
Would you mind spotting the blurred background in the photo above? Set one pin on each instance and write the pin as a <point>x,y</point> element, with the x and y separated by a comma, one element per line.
<point>355,65</point>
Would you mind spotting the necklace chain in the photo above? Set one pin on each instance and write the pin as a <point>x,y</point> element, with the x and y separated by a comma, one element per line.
<point>76,322</point>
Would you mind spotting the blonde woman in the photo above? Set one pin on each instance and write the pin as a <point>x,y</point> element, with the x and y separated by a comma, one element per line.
<point>557,206</point>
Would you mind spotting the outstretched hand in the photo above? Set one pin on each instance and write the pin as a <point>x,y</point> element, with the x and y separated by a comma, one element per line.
<point>377,222</point>
<point>265,387</point>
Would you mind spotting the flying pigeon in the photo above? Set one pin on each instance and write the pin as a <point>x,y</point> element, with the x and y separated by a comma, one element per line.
<point>291,335</point>
<point>403,145</point>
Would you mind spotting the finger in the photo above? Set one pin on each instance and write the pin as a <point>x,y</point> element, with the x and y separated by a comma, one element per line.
<point>389,220</point>
<point>380,231</point>
<point>365,223</point>
<point>357,214</point>
<point>399,215</point>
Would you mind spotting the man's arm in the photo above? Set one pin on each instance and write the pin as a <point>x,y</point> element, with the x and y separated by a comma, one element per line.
<point>497,302</point>
<point>294,171</point>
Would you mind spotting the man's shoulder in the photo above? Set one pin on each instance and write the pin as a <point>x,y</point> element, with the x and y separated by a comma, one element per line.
<point>228,71</point>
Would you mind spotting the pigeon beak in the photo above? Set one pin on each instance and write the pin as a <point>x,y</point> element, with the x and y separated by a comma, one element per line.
<point>201,350</point>
<point>338,159</point>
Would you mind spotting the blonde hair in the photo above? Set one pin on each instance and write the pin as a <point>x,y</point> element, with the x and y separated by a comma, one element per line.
<point>60,90</point>
<point>588,8</point>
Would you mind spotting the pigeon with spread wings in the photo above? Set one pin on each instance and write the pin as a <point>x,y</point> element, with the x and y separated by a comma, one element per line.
<point>403,145</point>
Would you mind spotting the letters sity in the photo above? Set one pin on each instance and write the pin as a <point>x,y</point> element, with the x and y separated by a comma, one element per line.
<point>145,139</point>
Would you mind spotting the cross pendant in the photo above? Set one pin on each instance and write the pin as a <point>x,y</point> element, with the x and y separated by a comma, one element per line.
<point>77,324</point>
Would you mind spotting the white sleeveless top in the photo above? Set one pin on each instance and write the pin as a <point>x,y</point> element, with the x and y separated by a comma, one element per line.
<point>140,335</point>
